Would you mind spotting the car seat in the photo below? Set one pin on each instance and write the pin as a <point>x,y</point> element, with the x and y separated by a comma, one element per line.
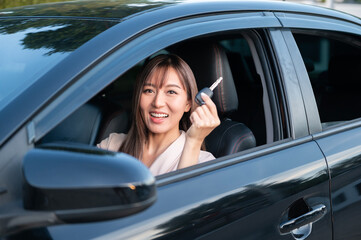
<point>208,62</point>
<point>89,124</point>
<point>81,126</point>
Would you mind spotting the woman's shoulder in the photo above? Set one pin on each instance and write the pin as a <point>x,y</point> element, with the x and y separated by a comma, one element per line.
<point>113,142</point>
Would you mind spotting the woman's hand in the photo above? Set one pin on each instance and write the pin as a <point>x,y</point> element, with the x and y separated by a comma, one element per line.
<point>204,119</point>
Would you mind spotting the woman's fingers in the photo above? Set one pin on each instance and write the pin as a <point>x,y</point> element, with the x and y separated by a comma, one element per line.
<point>209,103</point>
<point>195,119</point>
<point>210,111</point>
<point>204,119</point>
<point>206,116</point>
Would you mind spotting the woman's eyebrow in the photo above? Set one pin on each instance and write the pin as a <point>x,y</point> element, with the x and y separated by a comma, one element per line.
<point>168,85</point>
<point>173,85</point>
<point>149,84</point>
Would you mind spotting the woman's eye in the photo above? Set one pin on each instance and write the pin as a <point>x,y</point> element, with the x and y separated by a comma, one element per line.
<point>172,92</point>
<point>147,90</point>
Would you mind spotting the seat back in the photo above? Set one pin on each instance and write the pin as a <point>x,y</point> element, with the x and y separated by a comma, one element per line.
<point>81,126</point>
<point>89,124</point>
<point>208,62</point>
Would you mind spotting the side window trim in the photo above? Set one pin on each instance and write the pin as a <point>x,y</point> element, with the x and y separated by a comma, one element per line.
<point>230,160</point>
<point>296,111</point>
<point>150,42</point>
<point>293,20</point>
<point>313,118</point>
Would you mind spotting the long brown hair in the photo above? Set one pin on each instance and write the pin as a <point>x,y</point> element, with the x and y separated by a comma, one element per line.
<point>159,65</point>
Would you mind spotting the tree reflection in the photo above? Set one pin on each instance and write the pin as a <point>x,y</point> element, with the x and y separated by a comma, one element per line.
<point>19,3</point>
<point>70,24</point>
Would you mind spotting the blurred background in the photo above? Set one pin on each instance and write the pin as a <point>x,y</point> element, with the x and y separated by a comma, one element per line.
<point>349,6</point>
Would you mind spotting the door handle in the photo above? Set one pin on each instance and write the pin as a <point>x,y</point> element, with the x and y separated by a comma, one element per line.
<point>312,216</point>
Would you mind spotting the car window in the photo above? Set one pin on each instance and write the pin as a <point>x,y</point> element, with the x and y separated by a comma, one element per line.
<point>110,110</point>
<point>30,48</point>
<point>333,63</point>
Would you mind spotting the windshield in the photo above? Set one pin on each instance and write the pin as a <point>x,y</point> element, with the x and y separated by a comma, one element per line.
<point>31,47</point>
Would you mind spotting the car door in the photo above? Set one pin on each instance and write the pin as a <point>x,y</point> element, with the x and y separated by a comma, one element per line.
<point>279,190</point>
<point>332,55</point>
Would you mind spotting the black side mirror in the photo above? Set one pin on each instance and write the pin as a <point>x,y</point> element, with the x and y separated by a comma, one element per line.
<point>85,184</point>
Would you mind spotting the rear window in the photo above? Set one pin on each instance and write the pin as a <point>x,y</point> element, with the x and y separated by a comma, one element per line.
<point>30,47</point>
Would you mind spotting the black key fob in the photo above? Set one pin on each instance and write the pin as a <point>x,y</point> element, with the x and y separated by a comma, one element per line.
<point>199,99</point>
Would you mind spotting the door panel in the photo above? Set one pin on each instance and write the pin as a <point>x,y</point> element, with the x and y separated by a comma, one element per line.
<point>246,199</point>
<point>343,153</point>
<point>333,62</point>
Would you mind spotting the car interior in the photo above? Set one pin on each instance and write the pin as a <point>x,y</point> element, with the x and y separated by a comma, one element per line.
<point>239,98</point>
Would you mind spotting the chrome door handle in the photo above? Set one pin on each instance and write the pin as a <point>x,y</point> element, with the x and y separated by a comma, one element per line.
<point>312,216</point>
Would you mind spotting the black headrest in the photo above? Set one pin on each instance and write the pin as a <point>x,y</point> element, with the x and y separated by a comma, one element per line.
<point>208,62</point>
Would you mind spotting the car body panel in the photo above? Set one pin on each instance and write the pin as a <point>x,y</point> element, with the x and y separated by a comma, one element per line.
<point>340,144</point>
<point>343,153</point>
<point>225,201</point>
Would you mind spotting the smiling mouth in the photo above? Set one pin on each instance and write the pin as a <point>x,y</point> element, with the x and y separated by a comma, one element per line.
<point>159,115</point>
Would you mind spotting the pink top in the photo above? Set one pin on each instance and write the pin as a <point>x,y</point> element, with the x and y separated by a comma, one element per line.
<point>166,162</point>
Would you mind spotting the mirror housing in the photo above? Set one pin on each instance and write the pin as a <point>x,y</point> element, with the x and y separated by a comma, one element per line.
<point>85,184</point>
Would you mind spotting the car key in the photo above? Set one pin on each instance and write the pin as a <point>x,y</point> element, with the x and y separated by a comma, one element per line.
<point>208,91</point>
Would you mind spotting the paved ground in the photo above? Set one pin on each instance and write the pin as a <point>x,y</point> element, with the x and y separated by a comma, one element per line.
<point>351,8</point>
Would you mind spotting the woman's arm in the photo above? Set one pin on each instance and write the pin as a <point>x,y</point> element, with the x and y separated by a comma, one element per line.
<point>204,119</point>
<point>113,142</point>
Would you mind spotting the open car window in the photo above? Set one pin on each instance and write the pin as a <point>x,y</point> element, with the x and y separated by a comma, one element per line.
<point>246,106</point>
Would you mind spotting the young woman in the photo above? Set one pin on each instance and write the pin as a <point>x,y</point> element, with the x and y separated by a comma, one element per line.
<point>168,128</point>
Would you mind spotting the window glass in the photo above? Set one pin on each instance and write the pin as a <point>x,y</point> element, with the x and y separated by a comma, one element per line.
<point>31,47</point>
<point>333,62</point>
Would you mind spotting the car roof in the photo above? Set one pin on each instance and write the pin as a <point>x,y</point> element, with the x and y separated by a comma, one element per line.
<point>122,10</point>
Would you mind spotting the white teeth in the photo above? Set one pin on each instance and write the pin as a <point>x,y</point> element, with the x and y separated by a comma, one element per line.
<point>159,115</point>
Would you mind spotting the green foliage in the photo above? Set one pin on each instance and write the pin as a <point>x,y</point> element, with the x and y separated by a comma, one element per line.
<point>19,3</point>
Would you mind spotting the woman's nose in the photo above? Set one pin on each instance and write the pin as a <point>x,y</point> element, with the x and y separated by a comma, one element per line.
<point>158,100</point>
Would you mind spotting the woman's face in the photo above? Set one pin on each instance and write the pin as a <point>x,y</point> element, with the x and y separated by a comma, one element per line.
<point>163,106</point>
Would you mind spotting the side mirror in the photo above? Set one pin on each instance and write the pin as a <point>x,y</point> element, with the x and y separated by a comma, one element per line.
<point>85,184</point>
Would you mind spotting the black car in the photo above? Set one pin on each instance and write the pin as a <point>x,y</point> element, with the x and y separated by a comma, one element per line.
<point>288,150</point>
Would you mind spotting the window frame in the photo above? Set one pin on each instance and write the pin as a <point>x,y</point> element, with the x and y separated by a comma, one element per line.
<point>112,66</point>
<point>292,21</point>
<point>118,62</point>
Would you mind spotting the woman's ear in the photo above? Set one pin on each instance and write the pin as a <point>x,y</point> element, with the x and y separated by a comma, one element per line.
<point>188,106</point>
